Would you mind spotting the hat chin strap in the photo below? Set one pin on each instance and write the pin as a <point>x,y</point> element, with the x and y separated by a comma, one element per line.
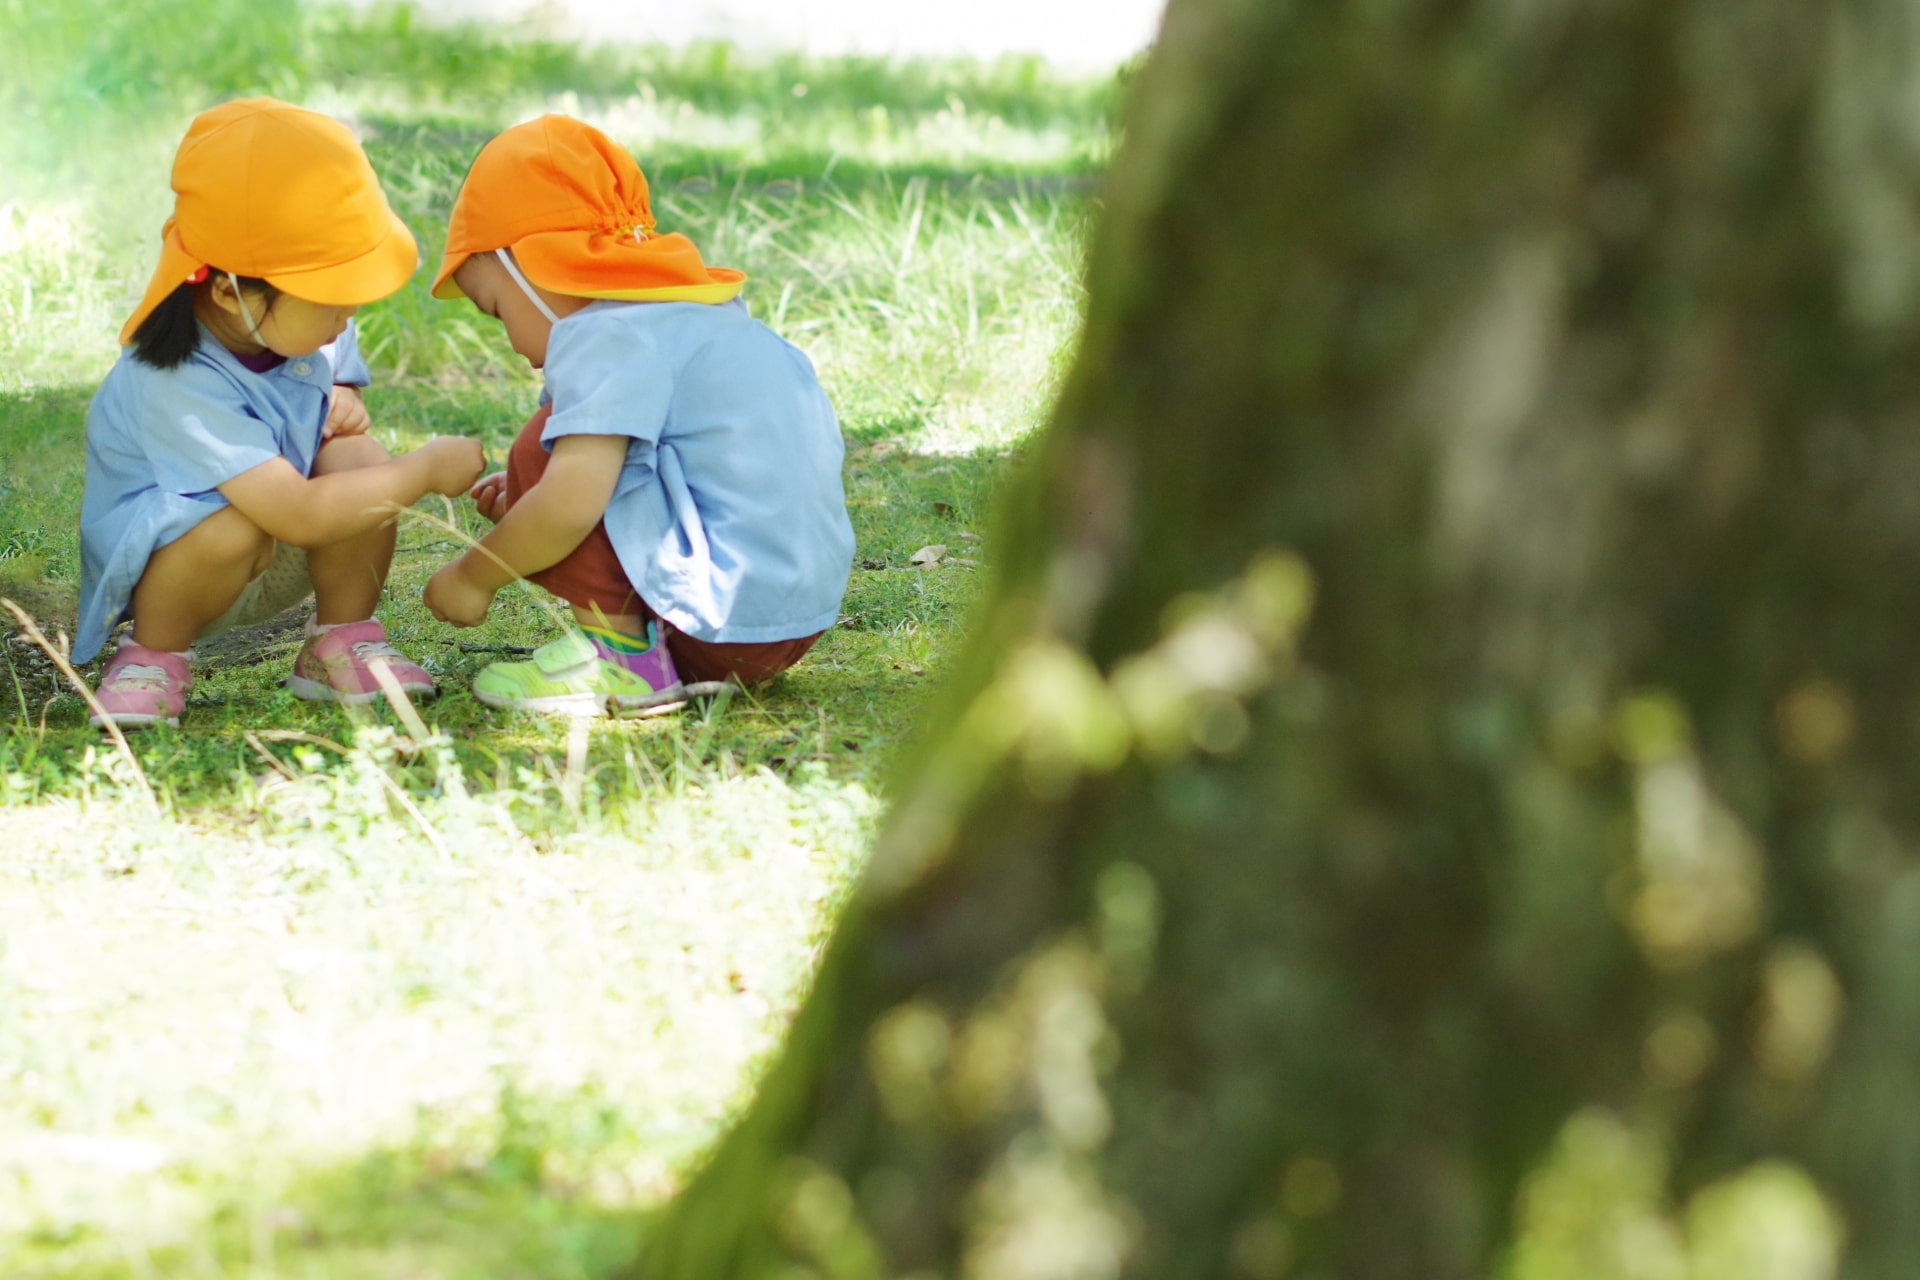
<point>246,312</point>
<point>506,260</point>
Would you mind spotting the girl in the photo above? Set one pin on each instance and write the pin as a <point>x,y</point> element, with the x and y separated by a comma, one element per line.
<point>680,486</point>
<point>229,472</point>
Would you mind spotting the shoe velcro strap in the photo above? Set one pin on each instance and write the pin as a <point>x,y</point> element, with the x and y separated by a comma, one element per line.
<point>564,655</point>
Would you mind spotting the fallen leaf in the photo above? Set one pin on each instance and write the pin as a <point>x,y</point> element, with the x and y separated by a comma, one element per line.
<point>943,508</point>
<point>933,554</point>
<point>967,536</point>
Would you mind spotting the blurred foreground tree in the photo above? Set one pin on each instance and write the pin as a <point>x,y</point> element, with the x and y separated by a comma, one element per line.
<point>1452,674</point>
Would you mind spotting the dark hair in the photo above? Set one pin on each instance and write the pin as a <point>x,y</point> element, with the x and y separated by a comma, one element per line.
<point>170,334</point>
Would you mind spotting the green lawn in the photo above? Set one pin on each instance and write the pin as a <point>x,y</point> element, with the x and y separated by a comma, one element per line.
<point>318,996</point>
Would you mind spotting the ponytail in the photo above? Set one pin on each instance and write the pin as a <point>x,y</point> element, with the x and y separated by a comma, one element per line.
<point>170,334</point>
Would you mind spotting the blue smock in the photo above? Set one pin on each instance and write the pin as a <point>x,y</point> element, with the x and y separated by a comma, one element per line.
<point>729,516</point>
<point>160,442</point>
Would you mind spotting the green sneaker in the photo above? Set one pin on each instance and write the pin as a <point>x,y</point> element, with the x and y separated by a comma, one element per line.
<point>571,677</point>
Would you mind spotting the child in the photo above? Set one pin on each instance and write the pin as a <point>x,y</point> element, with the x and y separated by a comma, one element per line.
<point>228,467</point>
<point>680,485</point>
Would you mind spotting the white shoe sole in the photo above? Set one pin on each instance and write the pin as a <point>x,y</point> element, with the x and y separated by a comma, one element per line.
<point>581,706</point>
<point>135,722</point>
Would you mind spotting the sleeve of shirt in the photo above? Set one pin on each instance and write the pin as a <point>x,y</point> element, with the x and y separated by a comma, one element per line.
<point>196,440</point>
<point>605,382</point>
<point>349,370</point>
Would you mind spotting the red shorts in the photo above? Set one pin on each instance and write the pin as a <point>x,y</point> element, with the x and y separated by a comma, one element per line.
<point>591,576</point>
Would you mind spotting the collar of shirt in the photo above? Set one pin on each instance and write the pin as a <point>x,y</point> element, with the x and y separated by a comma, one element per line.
<point>315,370</point>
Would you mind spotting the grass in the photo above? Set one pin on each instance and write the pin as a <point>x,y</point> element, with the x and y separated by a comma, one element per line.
<point>359,1002</point>
<point>356,1003</point>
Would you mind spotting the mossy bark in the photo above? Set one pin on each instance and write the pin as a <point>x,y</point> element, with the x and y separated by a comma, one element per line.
<point>1452,665</point>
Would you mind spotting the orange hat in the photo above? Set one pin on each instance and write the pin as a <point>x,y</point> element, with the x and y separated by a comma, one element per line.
<point>268,190</point>
<point>572,205</point>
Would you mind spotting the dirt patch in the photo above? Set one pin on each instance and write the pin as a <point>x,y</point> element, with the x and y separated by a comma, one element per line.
<point>30,680</point>
<point>53,605</point>
<point>251,646</point>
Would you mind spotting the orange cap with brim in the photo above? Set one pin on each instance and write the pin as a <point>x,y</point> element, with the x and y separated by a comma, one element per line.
<point>269,190</point>
<point>573,207</point>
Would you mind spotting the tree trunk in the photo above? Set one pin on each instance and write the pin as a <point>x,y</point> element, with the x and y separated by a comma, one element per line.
<point>1452,667</point>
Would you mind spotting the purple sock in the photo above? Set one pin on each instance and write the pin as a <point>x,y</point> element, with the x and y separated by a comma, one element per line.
<point>621,650</point>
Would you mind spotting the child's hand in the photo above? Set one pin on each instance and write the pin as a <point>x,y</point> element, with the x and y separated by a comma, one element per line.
<point>490,496</point>
<point>453,463</point>
<point>451,598</point>
<point>346,415</point>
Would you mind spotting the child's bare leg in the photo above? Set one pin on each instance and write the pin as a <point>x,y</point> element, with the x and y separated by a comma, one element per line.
<point>349,576</point>
<point>196,578</point>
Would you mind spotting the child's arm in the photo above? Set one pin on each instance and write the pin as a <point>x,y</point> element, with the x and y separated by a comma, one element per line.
<point>320,511</point>
<point>489,494</point>
<point>346,413</point>
<point>541,529</point>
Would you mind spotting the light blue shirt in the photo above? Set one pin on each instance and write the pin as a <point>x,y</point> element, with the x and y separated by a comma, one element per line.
<point>729,516</point>
<point>160,442</point>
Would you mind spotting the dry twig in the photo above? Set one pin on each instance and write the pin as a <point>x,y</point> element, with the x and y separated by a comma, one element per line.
<point>59,657</point>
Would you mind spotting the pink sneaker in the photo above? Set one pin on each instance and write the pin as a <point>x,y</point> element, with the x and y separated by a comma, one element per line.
<point>141,687</point>
<point>336,667</point>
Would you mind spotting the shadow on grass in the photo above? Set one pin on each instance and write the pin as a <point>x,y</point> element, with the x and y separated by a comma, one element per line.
<point>845,707</point>
<point>542,1189</point>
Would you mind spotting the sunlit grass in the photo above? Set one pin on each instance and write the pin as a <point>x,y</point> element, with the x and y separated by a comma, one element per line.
<point>208,1020</point>
<point>352,1006</point>
<point>190,1003</point>
<point>63,289</point>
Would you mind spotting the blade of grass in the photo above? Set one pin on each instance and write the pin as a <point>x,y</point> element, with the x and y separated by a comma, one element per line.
<point>402,704</point>
<point>33,633</point>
